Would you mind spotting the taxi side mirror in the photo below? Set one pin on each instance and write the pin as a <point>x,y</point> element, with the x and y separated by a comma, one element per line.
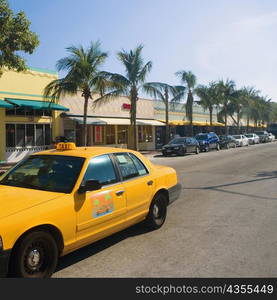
<point>90,185</point>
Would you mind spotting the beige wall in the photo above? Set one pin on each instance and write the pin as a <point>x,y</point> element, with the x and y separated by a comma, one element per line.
<point>112,108</point>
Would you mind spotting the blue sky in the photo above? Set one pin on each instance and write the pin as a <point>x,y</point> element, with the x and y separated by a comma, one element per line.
<point>215,39</point>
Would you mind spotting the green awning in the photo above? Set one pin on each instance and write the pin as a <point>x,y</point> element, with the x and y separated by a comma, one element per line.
<point>36,105</point>
<point>5,104</point>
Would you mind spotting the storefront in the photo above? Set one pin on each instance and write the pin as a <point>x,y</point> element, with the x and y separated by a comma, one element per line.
<point>109,124</point>
<point>28,121</point>
<point>179,125</point>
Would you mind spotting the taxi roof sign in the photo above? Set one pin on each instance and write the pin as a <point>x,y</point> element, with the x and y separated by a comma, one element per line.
<point>65,146</point>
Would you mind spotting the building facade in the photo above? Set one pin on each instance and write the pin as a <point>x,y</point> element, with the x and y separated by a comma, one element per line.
<point>28,121</point>
<point>109,123</point>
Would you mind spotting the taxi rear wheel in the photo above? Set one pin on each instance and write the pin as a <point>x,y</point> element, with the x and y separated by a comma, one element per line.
<point>36,256</point>
<point>157,212</point>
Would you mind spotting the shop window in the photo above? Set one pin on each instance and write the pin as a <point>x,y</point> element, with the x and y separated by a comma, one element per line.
<point>28,112</point>
<point>122,134</point>
<point>110,134</point>
<point>10,135</point>
<point>47,134</point>
<point>98,134</point>
<point>20,135</point>
<point>10,112</point>
<point>39,135</point>
<point>70,135</point>
<point>145,134</point>
<point>30,135</point>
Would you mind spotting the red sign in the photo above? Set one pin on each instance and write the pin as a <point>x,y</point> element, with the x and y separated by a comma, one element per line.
<point>98,134</point>
<point>126,106</point>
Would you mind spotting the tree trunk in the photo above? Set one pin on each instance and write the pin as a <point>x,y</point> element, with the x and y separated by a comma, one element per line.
<point>166,116</point>
<point>132,141</point>
<point>238,120</point>
<point>225,116</point>
<point>247,124</point>
<point>189,111</point>
<point>85,129</point>
<point>211,117</point>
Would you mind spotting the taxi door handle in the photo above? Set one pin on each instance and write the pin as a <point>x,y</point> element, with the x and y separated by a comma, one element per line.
<point>150,182</point>
<point>119,193</point>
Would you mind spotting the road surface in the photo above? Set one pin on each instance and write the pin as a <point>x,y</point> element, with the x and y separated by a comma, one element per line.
<point>223,225</point>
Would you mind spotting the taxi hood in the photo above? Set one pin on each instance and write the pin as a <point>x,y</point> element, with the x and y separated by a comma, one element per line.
<point>16,199</point>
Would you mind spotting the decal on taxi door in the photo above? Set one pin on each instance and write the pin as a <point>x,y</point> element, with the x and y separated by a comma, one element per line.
<point>102,204</point>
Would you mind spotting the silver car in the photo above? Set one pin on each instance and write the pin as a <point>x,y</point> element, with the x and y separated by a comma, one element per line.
<point>253,138</point>
<point>241,140</point>
<point>271,136</point>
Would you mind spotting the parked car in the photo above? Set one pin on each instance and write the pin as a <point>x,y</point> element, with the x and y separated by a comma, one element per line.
<point>271,136</point>
<point>57,201</point>
<point>181,146</point>
<point>253,138</point>
<point>227,141</point>
<point>263,135</point>
<point>208,141</point>
<point>241,140</point>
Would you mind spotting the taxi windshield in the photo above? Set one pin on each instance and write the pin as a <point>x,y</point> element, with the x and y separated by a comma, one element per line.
<point>53,173</point>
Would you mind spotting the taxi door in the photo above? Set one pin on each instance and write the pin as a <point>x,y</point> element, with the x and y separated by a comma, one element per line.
<point>138,185</point>
<point>101,212</point>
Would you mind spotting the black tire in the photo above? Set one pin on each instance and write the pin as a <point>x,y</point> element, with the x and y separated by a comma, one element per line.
<point>24,262</point>
<point>182,152</point>
<point>197,150</point>
<point>157,212</point>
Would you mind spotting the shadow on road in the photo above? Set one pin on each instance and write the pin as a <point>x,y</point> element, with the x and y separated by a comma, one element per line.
<point>94,248</point>
<point>218,188</point>
<point>173,155</point>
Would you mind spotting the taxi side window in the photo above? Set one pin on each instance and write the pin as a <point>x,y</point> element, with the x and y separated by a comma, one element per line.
<point>101,168</point>
<point>139,165</point>
<point>126,165</point>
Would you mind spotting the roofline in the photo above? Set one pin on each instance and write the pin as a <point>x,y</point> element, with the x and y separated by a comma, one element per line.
<point>43,70</point>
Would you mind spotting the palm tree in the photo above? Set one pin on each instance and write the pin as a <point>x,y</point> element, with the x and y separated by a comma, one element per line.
<point>189,80</point>
<point>225,92</point>
<point>166,93</point>
<point>83,76</point>
<point>129,85</point>
<point>208,98</point>
<point>249,96</point>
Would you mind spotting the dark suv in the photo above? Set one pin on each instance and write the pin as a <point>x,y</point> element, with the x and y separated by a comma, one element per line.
<point>208,141</point>
<point>181,146</point>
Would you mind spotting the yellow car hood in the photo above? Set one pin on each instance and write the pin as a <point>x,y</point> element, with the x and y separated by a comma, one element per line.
<point>15,199</point>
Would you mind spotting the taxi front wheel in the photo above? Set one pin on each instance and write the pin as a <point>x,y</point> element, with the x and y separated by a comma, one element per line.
<point>36,256</point>
<point>157,212</point>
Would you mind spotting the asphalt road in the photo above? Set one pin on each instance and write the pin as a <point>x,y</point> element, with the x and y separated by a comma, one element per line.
<point>223,225</point>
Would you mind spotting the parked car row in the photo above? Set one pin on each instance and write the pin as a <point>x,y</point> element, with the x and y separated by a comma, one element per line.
<point>203,142</point>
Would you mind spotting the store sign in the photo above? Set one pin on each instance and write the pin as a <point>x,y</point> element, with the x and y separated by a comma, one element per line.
<point>126,106</point>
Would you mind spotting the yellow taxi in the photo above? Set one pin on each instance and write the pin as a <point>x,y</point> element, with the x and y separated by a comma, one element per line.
<point>59,200</point>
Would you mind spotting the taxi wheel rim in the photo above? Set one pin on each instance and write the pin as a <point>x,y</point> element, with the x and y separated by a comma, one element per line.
<point>159,211</point>
<point>36,258</point>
